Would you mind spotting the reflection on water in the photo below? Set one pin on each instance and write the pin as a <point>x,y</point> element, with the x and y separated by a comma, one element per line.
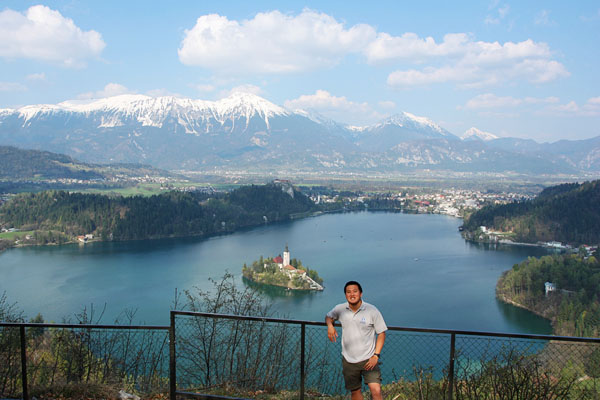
<point>529,321</point>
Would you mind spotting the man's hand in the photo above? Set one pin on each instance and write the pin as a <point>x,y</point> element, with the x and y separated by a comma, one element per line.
<point>332,333</point>
<point>372,362</point>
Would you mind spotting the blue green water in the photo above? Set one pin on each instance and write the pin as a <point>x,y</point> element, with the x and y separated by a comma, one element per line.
<point>415,268</point>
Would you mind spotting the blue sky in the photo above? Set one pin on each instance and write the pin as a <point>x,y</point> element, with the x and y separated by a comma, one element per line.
<point>519,69</point>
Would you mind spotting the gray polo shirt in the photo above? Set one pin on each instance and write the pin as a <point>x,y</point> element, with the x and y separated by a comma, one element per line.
<point>359,330</point>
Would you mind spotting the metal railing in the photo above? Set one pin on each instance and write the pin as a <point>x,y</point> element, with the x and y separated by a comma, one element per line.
<point>249,355</point>
<point>44,357</point>
<point>212,356</point>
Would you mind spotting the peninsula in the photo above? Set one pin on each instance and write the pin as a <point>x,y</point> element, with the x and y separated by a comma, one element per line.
<point>283,272</point>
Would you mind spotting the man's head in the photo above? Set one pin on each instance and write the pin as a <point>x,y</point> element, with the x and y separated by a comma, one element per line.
<point>353,292</point>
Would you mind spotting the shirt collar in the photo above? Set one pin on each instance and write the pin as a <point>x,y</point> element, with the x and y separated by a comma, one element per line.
<point>361,308</point>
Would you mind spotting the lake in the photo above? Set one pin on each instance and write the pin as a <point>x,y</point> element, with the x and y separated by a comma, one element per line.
<point>416,269</point>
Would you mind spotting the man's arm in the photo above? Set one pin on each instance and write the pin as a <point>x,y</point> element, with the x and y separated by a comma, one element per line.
<point>378,347</point>
<point>331,332</point>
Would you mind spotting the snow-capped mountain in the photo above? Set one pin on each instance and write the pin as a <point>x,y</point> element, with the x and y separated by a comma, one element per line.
<point>195,116</point>
<point>399,128</point>
<point>413,122</point>
<point>245,131</point>
<point>476,134</point>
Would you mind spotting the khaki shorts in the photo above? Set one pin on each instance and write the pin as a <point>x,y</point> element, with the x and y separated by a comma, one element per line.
<point>354,373</point>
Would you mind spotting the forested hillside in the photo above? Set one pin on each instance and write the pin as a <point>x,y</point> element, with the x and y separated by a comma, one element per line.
<point>574,307</point>
<point>28,164</point>
<point>567,213</point>
<point>169,214</point>
<point>33,165</point>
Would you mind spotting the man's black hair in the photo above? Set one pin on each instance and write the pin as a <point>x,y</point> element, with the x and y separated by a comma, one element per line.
<point>352,283</point>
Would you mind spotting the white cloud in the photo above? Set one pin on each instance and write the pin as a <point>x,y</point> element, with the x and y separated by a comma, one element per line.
<point>36,77</point>
<point>277,43</point>
<point>429,75</point>
<point>590,109</point>
<point>387,104</point>
<point>271,42</point>
<point>410,46</point>
<point>247,88</point>
<point>476,64</point>
<point>204,87</point>
<point>502,13</point>
<point>111,89</point>
<point>569,108</point>
<point>543,18</point>
<point>489,100</point>
<point>338,108</point>
<point>41,33</point>
<point>11,87</point>
<point>592,17</point>
<point>323,100</point>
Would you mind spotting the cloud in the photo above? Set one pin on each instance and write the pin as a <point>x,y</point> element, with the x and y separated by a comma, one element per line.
<point>491,101</point>
<point>323,100</point>
<point>11,87</point>
<point>502,13</point>
<point>247,88</point>
<point>409,46</point>
<point>543,18</point>
<point>111,89</point>
<point>338,108</point>
<point>204,87</point>
<point>387,104</point>
<point>476,64</point>
<point>36,77</point>
<point>41,33</point>
<point>571,109</point>
<point>271,42</point>
<point>277,43</point>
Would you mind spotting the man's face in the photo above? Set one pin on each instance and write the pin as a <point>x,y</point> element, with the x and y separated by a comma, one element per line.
<point>353,294</point>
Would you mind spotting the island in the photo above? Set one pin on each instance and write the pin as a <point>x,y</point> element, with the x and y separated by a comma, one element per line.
<point>283,272</point>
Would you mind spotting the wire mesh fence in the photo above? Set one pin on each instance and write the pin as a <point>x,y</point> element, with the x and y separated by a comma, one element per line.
<point>248,356</point>
<point>83,361</point>
<point>261,357</point>
<point>10,361</point>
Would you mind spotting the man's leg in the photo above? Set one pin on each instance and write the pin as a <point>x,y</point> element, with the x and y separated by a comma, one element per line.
<point>353,378</point>
<point>356,394</point>
<point>375,389</point>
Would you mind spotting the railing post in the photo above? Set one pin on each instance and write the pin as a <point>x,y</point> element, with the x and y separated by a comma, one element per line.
<point>172,360</point>
<point>24,362</point>
<point>451,366</point>
<point>302,360</point>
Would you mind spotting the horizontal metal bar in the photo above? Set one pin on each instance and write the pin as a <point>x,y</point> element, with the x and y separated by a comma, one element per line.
<point>207,396</point>
<point>397,328</point>
<point>248,318</point>
<point>301,322</point>
<point>83,326</point>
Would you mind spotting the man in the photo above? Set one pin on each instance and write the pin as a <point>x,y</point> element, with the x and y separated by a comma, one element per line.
<point>363,335</point>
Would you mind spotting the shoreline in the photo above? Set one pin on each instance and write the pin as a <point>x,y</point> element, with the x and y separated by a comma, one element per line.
<point>503,298</point>
<point>293,217</point>
<point>279,286</point>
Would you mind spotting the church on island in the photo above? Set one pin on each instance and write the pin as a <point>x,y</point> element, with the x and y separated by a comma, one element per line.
<point>279,271</point>
<point>285,267</point>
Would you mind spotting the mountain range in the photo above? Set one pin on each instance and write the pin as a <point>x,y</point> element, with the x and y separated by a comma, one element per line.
<point>246,132</point>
